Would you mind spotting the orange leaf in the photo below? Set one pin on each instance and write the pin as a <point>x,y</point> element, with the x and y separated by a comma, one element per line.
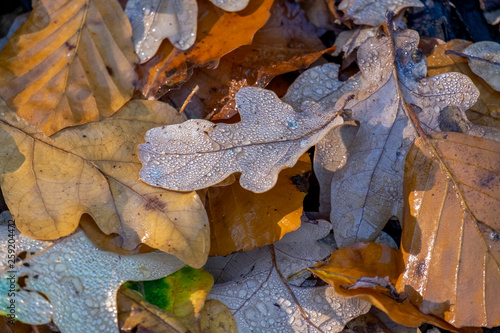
<point>218,33</point>
<point>346,266</point>
<point>67,66</point>
<point>451,233</point>
<point>241,220</point>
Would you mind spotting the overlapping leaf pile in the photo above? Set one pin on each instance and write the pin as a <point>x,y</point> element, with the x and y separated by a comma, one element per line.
<point>407,136</point>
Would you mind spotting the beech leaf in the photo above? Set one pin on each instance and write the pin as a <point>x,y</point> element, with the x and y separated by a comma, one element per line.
<point>67,65</point>
<point>369,12</point>
<point>451,233</point>
<point>270,137</point>
<point>79,280</point>
<point>49,183</point>
<point>253,285</point>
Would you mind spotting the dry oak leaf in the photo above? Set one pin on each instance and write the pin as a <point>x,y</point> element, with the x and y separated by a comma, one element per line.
<point>366,191</point>
<point>451,230</point>
<point>254,286</point>
<point>271,136</point>
<point>241,220</point>
<point>72,282</point>
<point>369,271</point>
<point>171,65</point>
<point>484,60</point>
<point>67,65</point>
<point>48,183</point>
<point>369,12</point>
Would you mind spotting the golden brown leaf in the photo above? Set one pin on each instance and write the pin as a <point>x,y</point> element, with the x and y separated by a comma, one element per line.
<point>170,65</point>
<point>241,220</point>
<point>346,266</point>
<point>451,232</point>
<point>48,183</point>
<point>486,111</point>
<point>71,62</point>
<point>217,318</point>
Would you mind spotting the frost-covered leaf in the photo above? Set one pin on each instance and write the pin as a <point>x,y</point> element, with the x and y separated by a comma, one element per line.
<point>71,62</point>
<point>270,137</point>
<point>484,60</point>
<point>78,280</point>
<point>249,283</point>
<point>154,20</point>
<point>370,12</point>
<point>48,183</point>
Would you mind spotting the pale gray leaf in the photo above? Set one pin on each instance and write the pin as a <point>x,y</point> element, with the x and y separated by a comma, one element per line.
<point>230,5</point>
<point>154,20</point>
<point>484,60</point>
<point>271,136</point>
<point>370,12</point>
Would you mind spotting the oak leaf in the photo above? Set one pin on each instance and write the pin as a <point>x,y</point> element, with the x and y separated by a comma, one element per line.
<point>67,66</point>
<point>48,183</point>
<point>368,12</point>
<point>451,233</point>
<point>71,281</point>
<point>256,286</point>
<point>271,136</point>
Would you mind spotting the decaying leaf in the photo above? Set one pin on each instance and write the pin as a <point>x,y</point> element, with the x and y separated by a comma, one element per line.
<point>241,220</point>
<point>252,284</point>
<point>270,137</point>
<point>71,281</point>
<point>49,183</point>
<point>67,65</point>
<point>212,42</point>
<point>484,60</point>
<point>369,12</point>
<point>369,271</point>
<point>451,241</point>
<point>154,20</point>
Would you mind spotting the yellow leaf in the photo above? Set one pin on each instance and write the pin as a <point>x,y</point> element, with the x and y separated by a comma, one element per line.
<point>71,62</point>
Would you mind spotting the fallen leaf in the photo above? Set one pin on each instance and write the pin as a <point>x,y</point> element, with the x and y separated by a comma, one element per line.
<point>484,60</point>
<point>450,241</point>
<point>347,266</point>
<point>241,220</point>
<point>154,20</point>
<point>368,12</point>
<point>212,42</point>
<point>217,318</point>
<point>71,281</point>
<point>48,183</point>
<point>348,41</point>
<point>66,66</point>
<point>271,136</point>
<point>253,285</point>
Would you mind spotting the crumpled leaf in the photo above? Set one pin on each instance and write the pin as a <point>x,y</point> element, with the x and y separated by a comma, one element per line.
<point>79,281</point>
<point>212,42</point>
<point>369,12</point>
<point>451,231</point>
<point>154,20</point>
<point>349,40</point>
<point>484,60</point>
<point>66,66</point>
<point>270,137</point>
<point>354,272</point>
<point>48,183</point>
<point>241,220</point>
<point>250,284</point>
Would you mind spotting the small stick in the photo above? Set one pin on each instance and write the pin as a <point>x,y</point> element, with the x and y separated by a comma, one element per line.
<point>188,99</point>
<point>471,57</point>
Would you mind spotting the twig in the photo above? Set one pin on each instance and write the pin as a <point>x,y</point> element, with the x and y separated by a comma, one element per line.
<point>188,99</point>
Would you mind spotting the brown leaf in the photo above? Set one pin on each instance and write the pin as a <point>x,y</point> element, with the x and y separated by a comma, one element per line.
<point>48,183</point>
<point>241,220</point>
<point>361,260</point>
<point>451,233</point>
<point>66,66</point>
<point>212,42</point>
<point>217,318</point>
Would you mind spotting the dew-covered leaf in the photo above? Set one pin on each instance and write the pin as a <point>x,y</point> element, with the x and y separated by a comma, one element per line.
<point>250,284</point>
<point>450,241</point>
<point>154,20</point>
<point>241,220</point>
<point>71,62</point>
<point>369,12</point>
<point>231,5</point>
<point>78,280</point>
<point>271,136</point>
<point>48,183</point>
<point>484,60</point>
